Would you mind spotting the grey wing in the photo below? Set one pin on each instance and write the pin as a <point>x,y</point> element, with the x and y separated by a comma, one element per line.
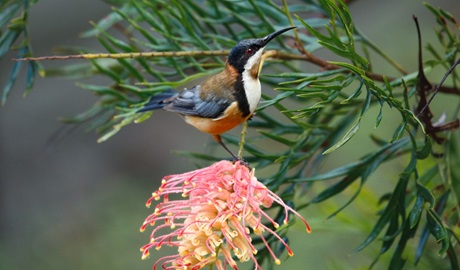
<point>189,102</point>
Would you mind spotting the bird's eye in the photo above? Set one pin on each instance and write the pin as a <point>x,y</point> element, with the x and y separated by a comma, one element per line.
<point>249,51</point>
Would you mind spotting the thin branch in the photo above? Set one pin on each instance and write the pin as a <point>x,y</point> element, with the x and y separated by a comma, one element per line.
<point>305,56</point>
<point>439,86</point>
<point>328,66</point>
<point>126,55</point>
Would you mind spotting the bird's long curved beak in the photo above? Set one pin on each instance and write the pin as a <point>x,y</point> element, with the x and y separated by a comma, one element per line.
<point>268,38</point>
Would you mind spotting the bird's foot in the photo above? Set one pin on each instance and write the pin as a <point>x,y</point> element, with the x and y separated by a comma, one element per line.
<point>242,162</point>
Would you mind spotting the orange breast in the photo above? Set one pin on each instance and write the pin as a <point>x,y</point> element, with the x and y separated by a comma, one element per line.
<point>231,118</point>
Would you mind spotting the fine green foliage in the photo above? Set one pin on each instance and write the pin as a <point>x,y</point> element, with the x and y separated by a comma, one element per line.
<point>317,113</point>
<point>14,35</point>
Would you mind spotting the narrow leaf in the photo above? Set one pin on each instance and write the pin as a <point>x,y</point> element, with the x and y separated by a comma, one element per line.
<point>438,230</point>
<point>345,138</point>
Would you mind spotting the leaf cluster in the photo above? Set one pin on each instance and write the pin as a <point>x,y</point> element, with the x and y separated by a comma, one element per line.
<point>14,36</point>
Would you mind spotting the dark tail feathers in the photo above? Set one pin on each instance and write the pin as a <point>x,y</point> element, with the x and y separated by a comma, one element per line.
<point>157,101</point>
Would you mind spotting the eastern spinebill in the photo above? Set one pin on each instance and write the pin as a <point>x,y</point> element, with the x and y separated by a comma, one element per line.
<point>224,100</point>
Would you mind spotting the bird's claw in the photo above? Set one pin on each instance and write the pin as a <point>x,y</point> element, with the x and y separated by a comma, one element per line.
<point>242,162</point>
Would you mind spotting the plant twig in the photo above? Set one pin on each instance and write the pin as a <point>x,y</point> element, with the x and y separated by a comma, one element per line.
<point>328,66</point>
<point>439,86</point>
<point>304,56</point>
<point>242,139</point>
<point>423,88</point>
<point>126,55</point>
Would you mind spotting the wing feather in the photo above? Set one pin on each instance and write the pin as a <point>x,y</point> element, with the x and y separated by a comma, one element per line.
<point>190,102</point>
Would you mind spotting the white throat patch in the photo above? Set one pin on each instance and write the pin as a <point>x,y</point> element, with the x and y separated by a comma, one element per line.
<point>252,87</point>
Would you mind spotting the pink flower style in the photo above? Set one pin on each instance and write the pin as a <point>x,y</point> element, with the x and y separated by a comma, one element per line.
<point>212,225</point>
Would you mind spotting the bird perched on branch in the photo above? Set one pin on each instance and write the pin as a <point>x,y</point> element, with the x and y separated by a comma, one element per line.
<point>224,100</point>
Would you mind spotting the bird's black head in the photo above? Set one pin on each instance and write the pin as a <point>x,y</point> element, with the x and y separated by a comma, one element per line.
<point>252,49</point>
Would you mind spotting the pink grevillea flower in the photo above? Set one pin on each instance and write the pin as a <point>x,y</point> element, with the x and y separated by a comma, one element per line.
<point>212,224</point>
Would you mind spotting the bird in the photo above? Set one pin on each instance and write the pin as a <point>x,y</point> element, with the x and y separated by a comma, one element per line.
<point>224,100</point>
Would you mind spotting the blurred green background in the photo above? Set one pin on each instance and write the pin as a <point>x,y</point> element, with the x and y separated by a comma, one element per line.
<point>77,204</point>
